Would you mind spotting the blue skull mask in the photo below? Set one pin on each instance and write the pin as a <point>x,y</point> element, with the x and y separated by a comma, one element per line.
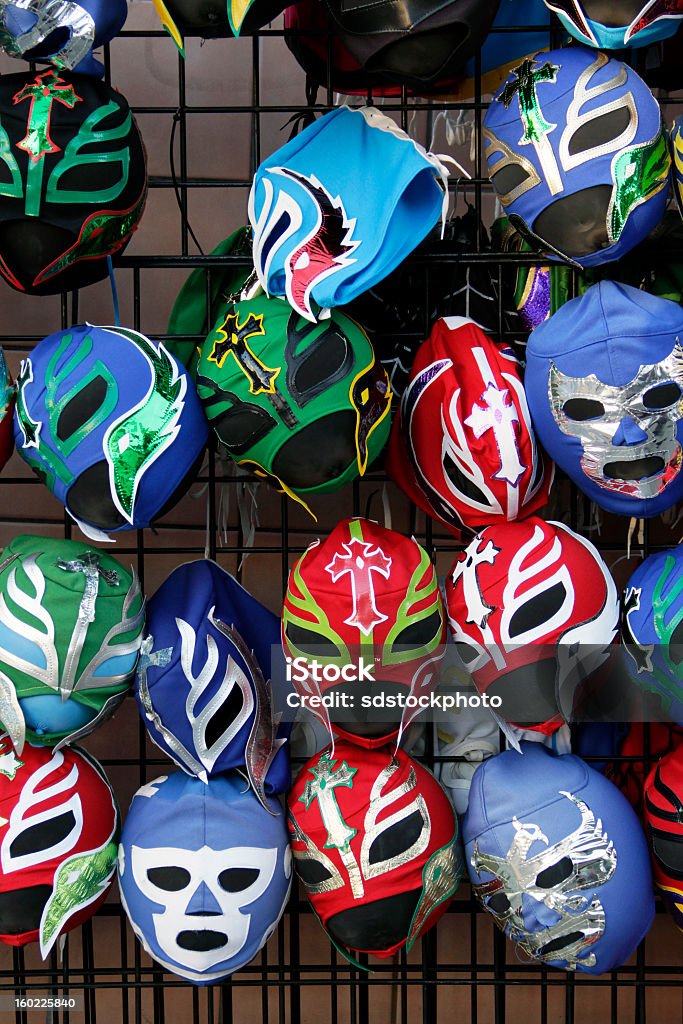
<point>203,682</point>
<point>62,31</point>
<point>557,856</point>
<point>618,430</point>
<point>577,154</point>
<point>204,873</point>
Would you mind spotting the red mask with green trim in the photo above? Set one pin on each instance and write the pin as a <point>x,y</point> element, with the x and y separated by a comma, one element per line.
<point>59,831</point>
<point>368,592</point>
<point>73,179</point>
<point>374,842</point>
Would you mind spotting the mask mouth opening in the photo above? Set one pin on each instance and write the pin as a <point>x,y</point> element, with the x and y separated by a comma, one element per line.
<point>635,469</point>
<point>201,941</point>
<point>560,943</point>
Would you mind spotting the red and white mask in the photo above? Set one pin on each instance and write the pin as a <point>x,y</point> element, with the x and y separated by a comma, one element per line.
<point>59,827</point>
<point>462,446</point>
<point>374,842</point>
<point>532,607</point>
<point>371,592</point>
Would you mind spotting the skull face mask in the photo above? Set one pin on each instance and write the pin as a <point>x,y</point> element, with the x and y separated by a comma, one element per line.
<point>374,843</point>
<point>59,826</point>
<point>616,431</point>
<point>203,682</point>
<point>585,182</point>
<point>204,873</point>
<point>664,826</point>
<point>556,854</point>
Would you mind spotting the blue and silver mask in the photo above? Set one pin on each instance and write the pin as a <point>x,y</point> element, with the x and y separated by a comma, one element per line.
<point>61,31</point>
<point>203,683</point>
<point>204,873</point>
<point>557,856</point>
<point>577,154</point>
<point>617,430</point>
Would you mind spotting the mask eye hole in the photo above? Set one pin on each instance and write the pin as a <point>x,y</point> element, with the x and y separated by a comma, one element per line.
<point>309,642</point>
<point>43,836</point>
<point>662,396</point>
<point>583,409</point>
<point>226,714</point>
<point>676,644</point>
<point>238,879</point>
<point>419,634</point>
<point>397,839</point>
<point>508,178</point>
<point>326,362</point>
<point>170,879</point>
<point>311,871</point>
<point>498,903</point>
<point>242,426</point>
<point>600,131</point>
<point>555,874</point>
<point>537,610</point>
<point>467,653</point>
<point>462,483</point>
<point>668,850</point>
<point>81,408</point>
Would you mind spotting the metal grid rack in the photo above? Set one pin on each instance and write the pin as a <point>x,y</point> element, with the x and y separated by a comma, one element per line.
<point>463,968</point>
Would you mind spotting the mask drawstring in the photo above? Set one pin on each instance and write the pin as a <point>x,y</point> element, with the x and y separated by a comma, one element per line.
<point>247,506</point>
<point>633,524</point>
<point>438,160</point>
<point>386,506</point>
<point>114,291</point>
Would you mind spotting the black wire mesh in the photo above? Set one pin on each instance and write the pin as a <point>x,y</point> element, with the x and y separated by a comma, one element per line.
<point>464,969</point>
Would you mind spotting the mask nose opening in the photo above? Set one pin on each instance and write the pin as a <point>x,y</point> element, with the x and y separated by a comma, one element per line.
<point>628,433</point>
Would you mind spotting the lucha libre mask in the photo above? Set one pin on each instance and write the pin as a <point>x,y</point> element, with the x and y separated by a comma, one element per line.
<point>59,829</point>
<point>586,182</point>
<point>71,622</point>
<point>112,423</point>
<point>306,406</point>
<point>62,31</point>
<point>532,607</point>
<point>6,412</point>
<point>611,26</point>
<point>418,47</point>
<point>374,842</point>
<point>73,179</point>
<point>212,19</point>
<point>664,826</point>
<point>462,446</point>
<point>320,239</point>
<point>204,873</point>
<point>652,629</point>
<point>203,682</point>
<point>367,590</point>
<point>617,430</point>
<point>557,856</point>
<point>676,144</point>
